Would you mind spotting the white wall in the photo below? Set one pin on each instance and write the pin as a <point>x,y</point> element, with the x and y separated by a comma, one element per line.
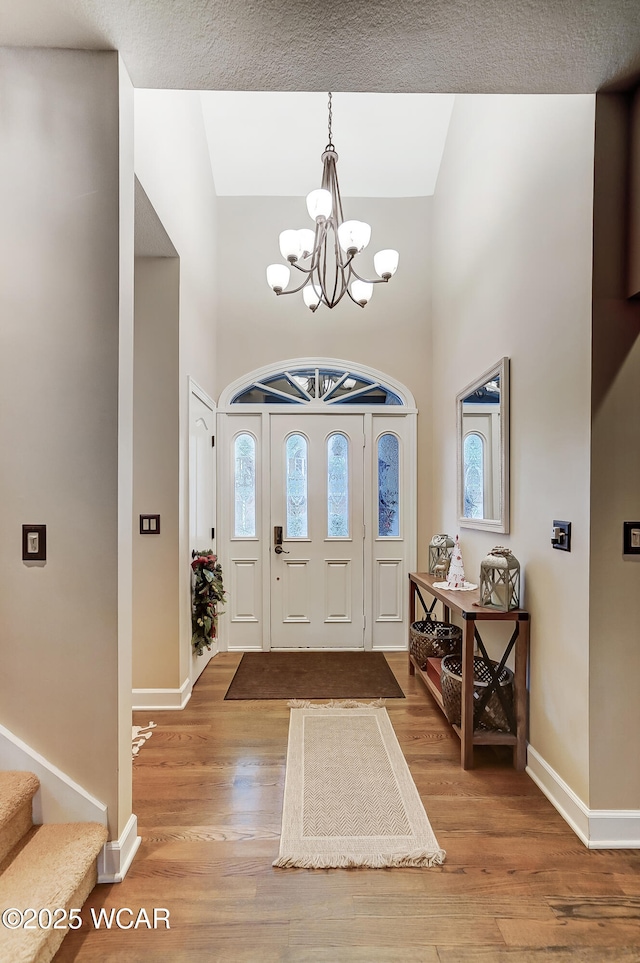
<point>63,293</point>
<point>173,166</point>
<point>392,333</point>
<point>512,276</point>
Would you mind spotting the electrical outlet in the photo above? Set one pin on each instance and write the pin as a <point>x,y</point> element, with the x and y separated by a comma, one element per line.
<point>561,535</point>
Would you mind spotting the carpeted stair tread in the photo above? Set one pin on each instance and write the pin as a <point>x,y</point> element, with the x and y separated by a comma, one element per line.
<point>17,790</point>
<point>55,868</point>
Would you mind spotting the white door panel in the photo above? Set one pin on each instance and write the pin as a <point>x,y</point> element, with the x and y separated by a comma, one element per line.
<point>317,582</point>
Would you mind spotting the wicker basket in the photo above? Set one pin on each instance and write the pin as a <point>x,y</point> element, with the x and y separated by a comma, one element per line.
<point>493,715</point>
<point>431,639</point>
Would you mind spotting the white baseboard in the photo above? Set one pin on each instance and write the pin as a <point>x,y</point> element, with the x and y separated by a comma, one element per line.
<point>162,698</point>
<point>116,856</point>
<point>597,828</point>
<point>59,799</point>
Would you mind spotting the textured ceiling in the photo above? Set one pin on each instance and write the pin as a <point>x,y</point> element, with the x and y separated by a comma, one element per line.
<point>450,46</point>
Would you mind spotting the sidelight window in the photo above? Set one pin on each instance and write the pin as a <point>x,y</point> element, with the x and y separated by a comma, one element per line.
<point>337,486</point>
<point>388,486</point>
<point>244,485</point>
<point>297,486</point>
<point>473,476</point>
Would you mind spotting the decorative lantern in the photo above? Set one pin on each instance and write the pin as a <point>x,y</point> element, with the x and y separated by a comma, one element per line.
<point>500,580</point>
<point>440,549</point>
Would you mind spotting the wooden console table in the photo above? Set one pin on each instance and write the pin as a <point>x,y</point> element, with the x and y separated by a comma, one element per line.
<point>466,603</point>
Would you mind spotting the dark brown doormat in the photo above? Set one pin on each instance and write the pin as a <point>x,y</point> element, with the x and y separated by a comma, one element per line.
<point>314,675</point>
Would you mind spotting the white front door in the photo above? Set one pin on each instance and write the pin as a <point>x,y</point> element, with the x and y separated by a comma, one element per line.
<point>317,500</point>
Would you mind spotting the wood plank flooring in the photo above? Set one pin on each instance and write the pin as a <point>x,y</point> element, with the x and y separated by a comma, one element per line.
<point>517,884</point>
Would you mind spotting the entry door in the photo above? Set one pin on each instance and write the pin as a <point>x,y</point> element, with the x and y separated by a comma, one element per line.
<point>317,579</point>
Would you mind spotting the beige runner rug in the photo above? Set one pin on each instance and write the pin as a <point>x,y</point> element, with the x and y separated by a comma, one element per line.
<point>349,798</point>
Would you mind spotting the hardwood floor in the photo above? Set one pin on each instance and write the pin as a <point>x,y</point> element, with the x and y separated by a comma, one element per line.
<point>517,884</point>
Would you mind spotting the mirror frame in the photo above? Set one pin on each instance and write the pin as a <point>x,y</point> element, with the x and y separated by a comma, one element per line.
<point>501,524</point>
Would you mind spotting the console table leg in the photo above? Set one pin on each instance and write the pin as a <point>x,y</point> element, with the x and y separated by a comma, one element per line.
<point>521,696</point>
<point>412,618</point>
<point>466,733</point>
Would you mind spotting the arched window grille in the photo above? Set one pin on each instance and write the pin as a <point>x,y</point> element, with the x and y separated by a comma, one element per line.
<point>317,385</point>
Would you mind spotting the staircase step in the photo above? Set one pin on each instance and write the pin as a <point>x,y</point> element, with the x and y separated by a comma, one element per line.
<point>17,790</point>
<point>54,867</point>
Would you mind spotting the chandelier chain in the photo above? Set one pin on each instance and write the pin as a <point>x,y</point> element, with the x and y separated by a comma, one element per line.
<point>330,144</point>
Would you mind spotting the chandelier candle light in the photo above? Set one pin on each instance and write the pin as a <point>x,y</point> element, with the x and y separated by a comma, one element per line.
<point>327,254</point>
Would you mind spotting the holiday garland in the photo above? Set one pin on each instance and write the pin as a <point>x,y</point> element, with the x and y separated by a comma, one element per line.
<point>207,593</point>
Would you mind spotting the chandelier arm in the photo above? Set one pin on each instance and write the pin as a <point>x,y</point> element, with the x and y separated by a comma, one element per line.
<point>340,282</point>
<point>298,268</point>
<point>295,290</point>
<point>344,291</point>
<point>322,272</point>
<point>339,276</point>
<point>354,300</point>
<point>339,214</point>
<point>368,280</point>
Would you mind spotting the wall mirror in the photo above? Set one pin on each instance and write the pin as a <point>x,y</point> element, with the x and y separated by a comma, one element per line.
<point>483,451</point>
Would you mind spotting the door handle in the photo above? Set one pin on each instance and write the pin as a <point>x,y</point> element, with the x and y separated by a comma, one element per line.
<point>277,541</point>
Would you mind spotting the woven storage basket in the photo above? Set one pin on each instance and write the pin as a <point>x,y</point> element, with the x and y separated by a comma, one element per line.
<point>493,715</point>
<point>431,639</point>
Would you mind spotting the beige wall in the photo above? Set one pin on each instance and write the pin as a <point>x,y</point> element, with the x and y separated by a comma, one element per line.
<point>172,163</point>
<point>512,276</point>
<point>156,623</point>
<point>392,333</point>
<point>62,685</point>
<point>632,257</point>
<point>615,480</point>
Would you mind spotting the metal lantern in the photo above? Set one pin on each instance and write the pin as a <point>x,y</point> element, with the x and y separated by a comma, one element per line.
<point>440,550</point>
<point>500,580</point>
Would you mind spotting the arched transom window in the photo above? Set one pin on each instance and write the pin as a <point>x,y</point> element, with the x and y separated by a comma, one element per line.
<point>317,385</point>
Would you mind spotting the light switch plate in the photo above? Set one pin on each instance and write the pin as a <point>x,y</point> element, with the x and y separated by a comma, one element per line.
<point>564,544</point>
<point>631,538</point>
<point>34,543</point>
<point>149,524</point>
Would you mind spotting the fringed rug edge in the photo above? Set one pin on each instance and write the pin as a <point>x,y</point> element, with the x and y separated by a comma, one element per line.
<point>372,861</point>
<point>336,704</point>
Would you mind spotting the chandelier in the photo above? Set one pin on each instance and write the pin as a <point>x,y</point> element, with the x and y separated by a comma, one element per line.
<point>325,257</point>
